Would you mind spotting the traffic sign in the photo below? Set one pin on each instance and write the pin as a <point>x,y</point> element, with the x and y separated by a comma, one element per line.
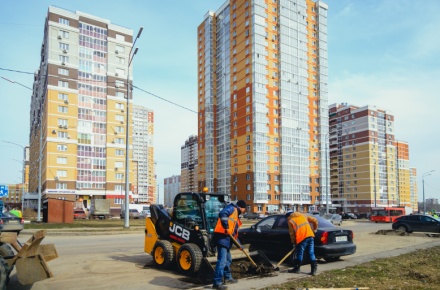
<point>4,190</point>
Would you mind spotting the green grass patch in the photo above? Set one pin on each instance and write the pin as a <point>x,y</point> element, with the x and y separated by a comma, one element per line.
<point>416,270</point>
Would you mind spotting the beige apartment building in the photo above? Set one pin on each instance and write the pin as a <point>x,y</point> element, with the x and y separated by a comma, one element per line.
<point>262,103</point>
<point>368,167</point>
<point>79,110</point>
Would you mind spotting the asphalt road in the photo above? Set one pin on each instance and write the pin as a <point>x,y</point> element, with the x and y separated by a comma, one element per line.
<point>117,261</point>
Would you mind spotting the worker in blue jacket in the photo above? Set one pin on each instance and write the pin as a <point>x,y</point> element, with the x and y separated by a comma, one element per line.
<point>227,224</point>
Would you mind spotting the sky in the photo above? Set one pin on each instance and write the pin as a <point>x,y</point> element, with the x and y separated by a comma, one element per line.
<point>381,53</point>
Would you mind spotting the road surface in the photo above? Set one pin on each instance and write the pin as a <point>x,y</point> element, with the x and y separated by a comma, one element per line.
<point>117,261</point>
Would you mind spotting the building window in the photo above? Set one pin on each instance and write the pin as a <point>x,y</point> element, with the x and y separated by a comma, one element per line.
<point>61,160</point>
<point>120,37</point>
<point>64,21</point>
<point>63,34</point>
<point>64,46</point>
<point>62,147</point>
<point>61,185</point>
<point>120,95</point>
<point>63,71</point>
<point>119,176</point>
<point>62,173</point>
<point>63,96</point>
<point>120,60</point>
<point>64,59</point>
<point>62,135</point>
<point>120,72</point>
<point>63,84</point>
<point>119,152</point>
<point>248,187</point>
<point>62,109</point>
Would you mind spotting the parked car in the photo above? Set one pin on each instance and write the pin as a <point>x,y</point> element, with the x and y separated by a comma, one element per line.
<point>348,216</point>
<point>417,223</point>
<point>250,216</point>
<point>271,235</point>
<point>132,214</point>
<point>11,223</point>
<point>335,219</point>
<point>79,214</point>
<point>144,214</point>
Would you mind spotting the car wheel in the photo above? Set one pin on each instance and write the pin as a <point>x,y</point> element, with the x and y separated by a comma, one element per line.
<point>402,229</point>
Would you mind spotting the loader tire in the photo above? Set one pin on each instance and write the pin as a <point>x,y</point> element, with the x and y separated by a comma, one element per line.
<point>4,274</point>
<point>163,254</point>
<point>6,251</point>
<point>189,259</point>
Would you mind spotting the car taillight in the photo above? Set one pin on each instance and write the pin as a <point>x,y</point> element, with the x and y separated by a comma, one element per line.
<point>352,236</point>
<point>324,238</point>
<point>22,221</point>
<point>1,222</point>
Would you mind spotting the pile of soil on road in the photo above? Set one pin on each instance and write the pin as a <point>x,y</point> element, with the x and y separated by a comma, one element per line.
<point>392,232</point>
<point>244,268</point>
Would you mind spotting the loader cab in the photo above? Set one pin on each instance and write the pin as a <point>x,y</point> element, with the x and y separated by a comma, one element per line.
<point>192,209</point>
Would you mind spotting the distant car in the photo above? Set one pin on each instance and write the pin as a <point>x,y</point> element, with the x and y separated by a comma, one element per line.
<point>251,216</point>
<point>11,223</point>
<point>348,216</point>
<point>132,214</point>
<point>144,214</point>
<point>79,214</point>
<point>271,235</point>
<point>417,223</point>
<point>335,219</point>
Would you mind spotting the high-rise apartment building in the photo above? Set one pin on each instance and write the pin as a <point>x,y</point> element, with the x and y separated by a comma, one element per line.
<point>403,174</point>
<point>170,189</point>
<point>188,168</point>
<point>365,160</point>
<point>143,155</point>
<point>413,189</point>
<point>262,103</point>
<point>78,112</point>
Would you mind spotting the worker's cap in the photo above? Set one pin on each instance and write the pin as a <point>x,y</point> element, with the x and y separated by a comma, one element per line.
<point>242,204</point>
<point>289,213</point>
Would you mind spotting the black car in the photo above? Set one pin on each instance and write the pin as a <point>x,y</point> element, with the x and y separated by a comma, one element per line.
<point>417,223</point>
<point>271,235</point>
<point>11,223</point>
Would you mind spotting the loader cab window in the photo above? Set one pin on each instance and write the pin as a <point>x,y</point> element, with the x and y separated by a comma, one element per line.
<point>212,207</point>
<point>187,211</point>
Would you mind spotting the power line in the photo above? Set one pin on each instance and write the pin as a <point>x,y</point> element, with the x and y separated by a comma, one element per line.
<point>165,99</point>
<point>17,71</point>
<point>154,95</point>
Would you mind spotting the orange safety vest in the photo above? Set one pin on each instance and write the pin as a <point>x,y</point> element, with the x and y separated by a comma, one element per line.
<point>232,221</point>
<point>301,228</point>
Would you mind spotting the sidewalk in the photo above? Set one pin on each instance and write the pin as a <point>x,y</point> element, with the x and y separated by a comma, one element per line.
<point>86,231</point>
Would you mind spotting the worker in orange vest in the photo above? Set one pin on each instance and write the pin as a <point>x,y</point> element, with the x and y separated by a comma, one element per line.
<point>302,233</point>
<point>227,224</point>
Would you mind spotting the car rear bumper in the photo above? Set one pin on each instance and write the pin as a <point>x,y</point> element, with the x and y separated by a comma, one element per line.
<point>334,250</point>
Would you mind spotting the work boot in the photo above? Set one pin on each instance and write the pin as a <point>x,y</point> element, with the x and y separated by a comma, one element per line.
<point>314,267</point>
<point>296,267</point>
<point>220,286</point>
<point>231,281</point>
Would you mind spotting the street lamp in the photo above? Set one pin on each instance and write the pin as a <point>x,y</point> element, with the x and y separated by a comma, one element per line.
<point>327,145</point>
<point>130,59</point>
<point>423,187</point>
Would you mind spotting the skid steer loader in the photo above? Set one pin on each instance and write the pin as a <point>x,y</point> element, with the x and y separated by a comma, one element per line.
<point>30,258</point>
<point>183,238</point>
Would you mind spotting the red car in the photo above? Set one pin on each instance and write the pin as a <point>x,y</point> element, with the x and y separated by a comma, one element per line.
<point>79,214</point>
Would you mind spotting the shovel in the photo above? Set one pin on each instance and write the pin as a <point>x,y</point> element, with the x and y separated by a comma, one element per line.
<point>277,267</point>
<point>241,249</point>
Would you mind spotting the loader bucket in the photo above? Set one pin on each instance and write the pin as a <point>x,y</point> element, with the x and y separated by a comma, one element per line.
<point>241,266</point>
<point>31,259</point>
